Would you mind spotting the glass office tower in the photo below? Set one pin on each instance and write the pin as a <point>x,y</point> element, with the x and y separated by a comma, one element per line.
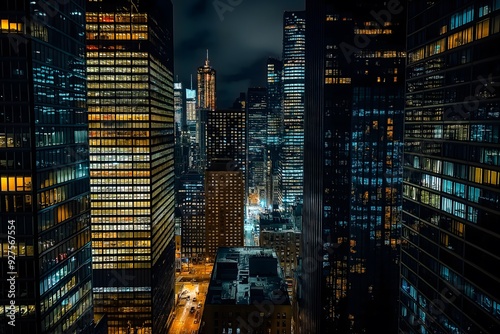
<point>451,212</point>
<point>44,170</point>
<point>274,130</point>
<point>352,169</point>
<point>131,132</point>
<point>293,106</point>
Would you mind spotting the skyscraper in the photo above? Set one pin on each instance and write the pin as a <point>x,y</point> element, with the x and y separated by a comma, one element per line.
<point>227,137</point>
<point>224,206</point>
<point>294,50</point>
<point>352,171</point>
<point>274,131</point>
<point>450,255</point>
<point>206,98</point>
<point>191,203</point>
<point>131,122</point>
<point>274,101</point>
<point>257,112</point>
<point>44,170</point>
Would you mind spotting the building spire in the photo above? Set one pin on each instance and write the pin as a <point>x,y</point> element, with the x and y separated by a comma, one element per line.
<point>191,81</point>
<point>207,62</point>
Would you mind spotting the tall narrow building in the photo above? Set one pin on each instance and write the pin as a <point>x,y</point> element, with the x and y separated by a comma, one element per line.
<point>294,50</point>
<point>274,131</point>
<point>257,112</point>
<point>131,125</point>
<point>450,255</point>
<point>191,204</point>
<point>206,93</point>
<point>44,170</point>
<point>274,101</point>
<point>353,168</point>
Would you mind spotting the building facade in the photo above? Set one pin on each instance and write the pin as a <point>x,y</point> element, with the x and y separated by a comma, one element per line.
<point>191,204</point>
<point>247,293</point>
<point>451,184</point>
<point>224,206</point>
<point>131,123</point>
<point>44,170</point>
<point>294,29</point>
<point>227,137</point>
<point>351,212</point>
<point>257,114</point>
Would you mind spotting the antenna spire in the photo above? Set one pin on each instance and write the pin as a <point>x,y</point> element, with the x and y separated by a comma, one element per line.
<point>207,62</point>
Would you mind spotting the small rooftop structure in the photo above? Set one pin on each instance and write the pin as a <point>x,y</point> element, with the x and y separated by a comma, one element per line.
<point>243,275</point>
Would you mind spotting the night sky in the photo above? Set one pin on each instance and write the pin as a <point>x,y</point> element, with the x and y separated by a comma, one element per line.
<point>239,44</point>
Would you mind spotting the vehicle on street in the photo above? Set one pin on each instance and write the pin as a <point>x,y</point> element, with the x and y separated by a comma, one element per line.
<point>199,305</point>
<point>192,309</point>
<point>194,299</point>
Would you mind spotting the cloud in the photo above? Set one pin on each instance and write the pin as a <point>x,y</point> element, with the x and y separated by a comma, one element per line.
<point>239,45</point>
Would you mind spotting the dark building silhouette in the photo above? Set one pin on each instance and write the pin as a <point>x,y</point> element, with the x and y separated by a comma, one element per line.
<point>44,170</point>
<point>352,168</point>
<point>450,256</point>
<point>131,138</point>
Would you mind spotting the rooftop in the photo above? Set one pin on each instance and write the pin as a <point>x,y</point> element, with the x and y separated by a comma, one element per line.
<point>244,275</point>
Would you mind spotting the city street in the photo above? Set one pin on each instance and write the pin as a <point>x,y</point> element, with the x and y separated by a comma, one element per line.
<point>190,289</point>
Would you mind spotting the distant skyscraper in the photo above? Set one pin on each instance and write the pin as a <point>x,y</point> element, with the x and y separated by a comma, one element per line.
<point>352,171</point>
<point>257,140</point>
<point>191,123</point>
<point>191,203</point>
<point>131,114</point>
<point>224,206</point>
<point>294,50</point>
<point>274,131</point>
<point>274,101</point>
<point>206,87</point>
<point>451,211</point>
<point>226,137</point>
<point>179,106</point>
<point>44,170</point>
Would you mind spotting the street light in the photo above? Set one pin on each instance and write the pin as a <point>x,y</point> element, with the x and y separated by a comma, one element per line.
<point>206,260</point>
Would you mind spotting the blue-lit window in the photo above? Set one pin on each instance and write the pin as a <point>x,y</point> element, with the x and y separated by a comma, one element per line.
<point>447,204</point>
<point>447,186</point>
<point>474,194</point>
<point>464,17</point>
<point>484,10</point>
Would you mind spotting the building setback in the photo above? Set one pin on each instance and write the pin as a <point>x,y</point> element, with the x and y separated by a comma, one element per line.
<point>131,137</point>
<point>247,293</point>
<point>450,255</point>
<point>44,170</point>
